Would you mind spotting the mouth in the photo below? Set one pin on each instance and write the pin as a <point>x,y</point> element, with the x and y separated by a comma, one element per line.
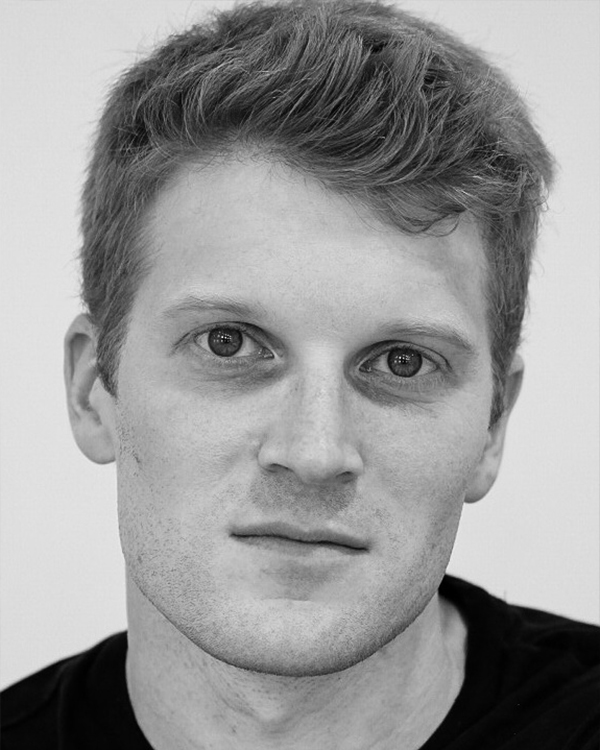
<point>281,535</point>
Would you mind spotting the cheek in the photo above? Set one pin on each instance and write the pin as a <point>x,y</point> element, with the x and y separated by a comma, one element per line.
<point>175,445</point>
<point>423,471</point>
<point>172,465</point>
<point>422,490</point>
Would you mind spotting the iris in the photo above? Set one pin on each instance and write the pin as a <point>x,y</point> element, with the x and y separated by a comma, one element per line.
<point>404,362</point>
<point>225,342</point>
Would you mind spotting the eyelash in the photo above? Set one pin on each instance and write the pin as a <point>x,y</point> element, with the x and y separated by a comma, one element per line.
<point>232,361</point>
<point>385,348</point>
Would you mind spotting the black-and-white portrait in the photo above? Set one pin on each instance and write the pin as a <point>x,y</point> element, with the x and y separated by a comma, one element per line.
<point>300,374</point>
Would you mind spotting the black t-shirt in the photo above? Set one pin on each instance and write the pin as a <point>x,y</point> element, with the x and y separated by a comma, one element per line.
<point>532,682</point>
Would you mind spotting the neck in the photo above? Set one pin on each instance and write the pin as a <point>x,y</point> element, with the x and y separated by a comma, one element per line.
<point>183,698</point>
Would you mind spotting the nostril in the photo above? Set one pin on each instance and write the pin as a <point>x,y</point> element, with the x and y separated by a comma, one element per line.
<point>310,465</point>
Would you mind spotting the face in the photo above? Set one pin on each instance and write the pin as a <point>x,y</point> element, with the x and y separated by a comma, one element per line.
<point>303,404</point>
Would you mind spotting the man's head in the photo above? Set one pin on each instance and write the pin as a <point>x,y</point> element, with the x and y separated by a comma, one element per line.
<point>305,272</point>
<point>375,104</point>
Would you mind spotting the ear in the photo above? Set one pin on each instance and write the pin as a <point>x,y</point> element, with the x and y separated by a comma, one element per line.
<point>91,407</point>
<point>487,470</point>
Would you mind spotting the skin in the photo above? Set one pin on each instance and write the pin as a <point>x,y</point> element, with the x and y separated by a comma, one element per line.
<point>269,644</point>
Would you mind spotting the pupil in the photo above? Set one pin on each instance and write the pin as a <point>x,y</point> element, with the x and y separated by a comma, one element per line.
<point>225,342</point>
<point>405,362</point>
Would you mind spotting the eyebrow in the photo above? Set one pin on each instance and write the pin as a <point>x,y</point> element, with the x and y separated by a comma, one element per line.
<point>390,330</point>
<point>193,303</point>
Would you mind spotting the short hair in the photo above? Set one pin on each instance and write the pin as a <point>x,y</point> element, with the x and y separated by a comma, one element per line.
<point>376,104</point>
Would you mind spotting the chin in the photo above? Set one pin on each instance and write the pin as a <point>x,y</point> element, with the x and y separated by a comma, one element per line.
<point>291,638</point>
<point>290,657</point>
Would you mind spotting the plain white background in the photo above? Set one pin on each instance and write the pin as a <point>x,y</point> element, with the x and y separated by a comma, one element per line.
<point>533,540</point>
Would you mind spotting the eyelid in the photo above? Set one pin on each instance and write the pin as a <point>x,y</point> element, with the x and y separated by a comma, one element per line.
<point>376,382</point>
<point>248,330</point>
<point>387,346</point>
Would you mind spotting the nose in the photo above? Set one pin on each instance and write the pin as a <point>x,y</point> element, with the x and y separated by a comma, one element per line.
<point>312,433</point>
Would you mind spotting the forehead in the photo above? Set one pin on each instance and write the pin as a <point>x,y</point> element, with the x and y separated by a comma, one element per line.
<point>255,231</point>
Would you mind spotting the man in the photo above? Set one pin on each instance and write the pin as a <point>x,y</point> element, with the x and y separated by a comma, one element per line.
<point>307,235</point>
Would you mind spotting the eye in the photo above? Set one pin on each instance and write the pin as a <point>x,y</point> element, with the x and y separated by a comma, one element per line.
<point>402,362</point>
<point>230,341</point>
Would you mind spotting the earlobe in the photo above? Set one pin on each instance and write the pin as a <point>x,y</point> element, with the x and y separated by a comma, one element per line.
<point>487,470</point>
<point>91,408</point>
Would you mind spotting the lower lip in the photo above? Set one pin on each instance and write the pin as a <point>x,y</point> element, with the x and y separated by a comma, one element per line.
<point>293,547</point>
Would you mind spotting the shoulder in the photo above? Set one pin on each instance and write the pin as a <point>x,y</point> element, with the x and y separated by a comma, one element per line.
<point>36,710</point>
<point>531,676</point>
<point>529,630</point>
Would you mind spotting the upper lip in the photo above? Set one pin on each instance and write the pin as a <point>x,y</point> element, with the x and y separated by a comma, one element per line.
<point>301,534</point>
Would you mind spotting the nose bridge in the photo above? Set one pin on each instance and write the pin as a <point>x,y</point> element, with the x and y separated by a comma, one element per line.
<point>318,406</point>
<point>315,438</point>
